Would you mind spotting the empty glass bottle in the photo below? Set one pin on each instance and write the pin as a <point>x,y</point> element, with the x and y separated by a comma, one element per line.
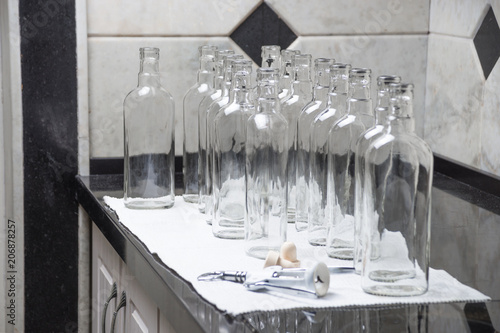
<point>229,155</point>
<point>306,118</point>
<point>286,74</point>
<point>202,127</point>
<point>341,163</point>
<point>213,110</point>
<point>192,100</point>
<point>397,194</point>
<point>266,165</point>
<point>335,108</point>
<point>271,56</point>
<point>364,141</point>
<point>301,94</point>
<point>149,124</point>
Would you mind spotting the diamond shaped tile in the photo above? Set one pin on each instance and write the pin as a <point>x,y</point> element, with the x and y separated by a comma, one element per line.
<point>487,42</point>
<point>262,27</point>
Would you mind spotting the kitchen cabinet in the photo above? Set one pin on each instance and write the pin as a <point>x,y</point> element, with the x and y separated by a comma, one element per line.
<point>110,279</point>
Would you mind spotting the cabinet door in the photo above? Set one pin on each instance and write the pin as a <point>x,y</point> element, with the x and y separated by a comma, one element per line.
<point>141,314</point>
<point>106,266</point>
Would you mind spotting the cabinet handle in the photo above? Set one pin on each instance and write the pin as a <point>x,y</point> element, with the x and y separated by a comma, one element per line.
<point>122,304</point>
<point>112,295</point>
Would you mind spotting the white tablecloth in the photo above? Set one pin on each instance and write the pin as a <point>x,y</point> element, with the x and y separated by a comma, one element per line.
<point>184,242</point>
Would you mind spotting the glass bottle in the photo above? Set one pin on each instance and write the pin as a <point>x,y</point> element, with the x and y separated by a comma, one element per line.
<point>229,155</point>
<point>286,75</point>
<point>191,103</point>
<point>271,56</point>
<point>396,220</point>
<point>362,144</point>
<point>341,163</point>
<point>149,125</point>
<point>266,170</point>
<point>213,110</point>
<point>300,95</point>
<point>306,118</point>
<point>335,108</point>
<point>202,127</point>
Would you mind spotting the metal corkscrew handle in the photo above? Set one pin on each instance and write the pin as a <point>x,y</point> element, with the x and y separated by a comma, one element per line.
<point>112,295</point>
<point>122,304</point>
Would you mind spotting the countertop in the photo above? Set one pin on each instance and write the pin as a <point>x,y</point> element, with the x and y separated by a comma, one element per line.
<point>464,242</point>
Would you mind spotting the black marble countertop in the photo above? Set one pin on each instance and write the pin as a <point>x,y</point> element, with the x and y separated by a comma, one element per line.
<point>464,242</point>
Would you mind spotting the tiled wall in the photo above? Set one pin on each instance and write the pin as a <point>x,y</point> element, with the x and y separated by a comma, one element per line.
<point>462,117</point>
<point>388,36</point>
<point>431,43</point>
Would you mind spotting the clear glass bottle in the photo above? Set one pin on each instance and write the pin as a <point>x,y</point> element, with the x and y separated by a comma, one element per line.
<point>202,127</point>
<point>192,99</point>
<point>213,110</point>
<point>291,108</point>
<point>341,163</point>
<point>229,155</point>
<point>266,170</point>
<point>397,194</point>
<point>370,135</point>
<point>271,57</point>
<point>286,75</point>
<point>335,108</point>
<point>149,124</point>
<point>306,118</point>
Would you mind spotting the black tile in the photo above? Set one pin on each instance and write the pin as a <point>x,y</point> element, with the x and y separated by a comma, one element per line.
<point>487,42</point>
<point>262,27</point>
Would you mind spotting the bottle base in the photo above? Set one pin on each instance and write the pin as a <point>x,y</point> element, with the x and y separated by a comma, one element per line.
<point>260,252</point>
<point>191,198</point>
<point>148,203</point>
<point>395,290</point>
<point>391,275</point>
<point>300,225</point>
<point>345,254</point>
<point>319,241</point>
<point>230,234</point>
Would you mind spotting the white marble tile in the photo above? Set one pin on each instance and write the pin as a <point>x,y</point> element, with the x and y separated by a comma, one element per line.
<point>453,99</point>
<point>83,94</point>
<point>457,17</point>
<point>113,67</point>
<point>490,126</point>
<point>348,17</point>
<point>401,55</point>
<point>166,18</point>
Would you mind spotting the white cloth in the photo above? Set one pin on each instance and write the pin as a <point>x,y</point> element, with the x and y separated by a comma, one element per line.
<point>185,243</point>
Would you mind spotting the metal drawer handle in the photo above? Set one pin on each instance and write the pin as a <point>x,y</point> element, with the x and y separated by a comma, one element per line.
<point>122,304</point>
<point>112,295</point>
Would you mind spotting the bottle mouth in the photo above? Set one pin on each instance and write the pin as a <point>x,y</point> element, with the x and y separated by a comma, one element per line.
<point>149,52</point>
<point>360,71</point>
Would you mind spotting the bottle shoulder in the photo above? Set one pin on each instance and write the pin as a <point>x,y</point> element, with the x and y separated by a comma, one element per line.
<point>407,145</point>
<point>143,93</point>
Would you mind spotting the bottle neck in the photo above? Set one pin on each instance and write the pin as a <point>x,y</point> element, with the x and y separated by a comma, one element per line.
<point>206,73</point>
<point>401,117</point>
<point>337,101</point>
<point>241,92</point>
<point>149,73</point>
<point>268,105</point>
<point>320,93</point>
<point>268,99</point>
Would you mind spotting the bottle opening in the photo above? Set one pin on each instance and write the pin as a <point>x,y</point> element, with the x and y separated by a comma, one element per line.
<point>149,52</point>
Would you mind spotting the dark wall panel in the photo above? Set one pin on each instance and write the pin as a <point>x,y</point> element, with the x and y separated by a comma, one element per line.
<point>50,143</point>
